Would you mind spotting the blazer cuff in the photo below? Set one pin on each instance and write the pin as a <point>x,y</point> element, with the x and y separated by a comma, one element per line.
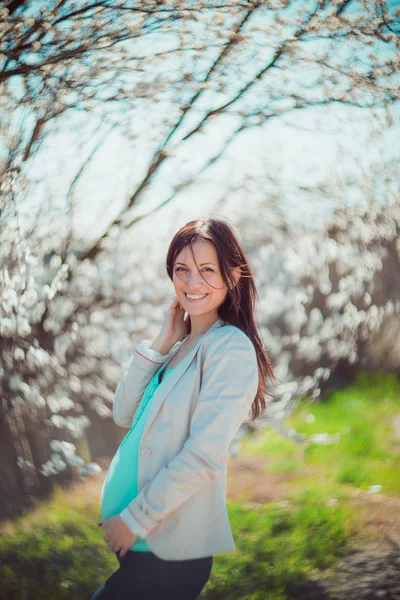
<point>146,357</point>
<point>134,525</point>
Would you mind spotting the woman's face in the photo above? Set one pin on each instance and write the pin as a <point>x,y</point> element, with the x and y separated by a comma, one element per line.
<point>187,279</point>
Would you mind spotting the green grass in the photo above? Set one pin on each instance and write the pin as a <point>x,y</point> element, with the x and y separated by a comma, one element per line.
<point>362,415</point>
<point>363,456</point>
<point>279,546</point>
<point>57,552</point>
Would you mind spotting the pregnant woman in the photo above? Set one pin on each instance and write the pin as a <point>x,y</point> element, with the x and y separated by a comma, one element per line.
<point>183,398</point>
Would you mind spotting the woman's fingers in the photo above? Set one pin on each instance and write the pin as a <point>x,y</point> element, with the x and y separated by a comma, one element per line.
<point>176,302</point>
<point>114,547</point>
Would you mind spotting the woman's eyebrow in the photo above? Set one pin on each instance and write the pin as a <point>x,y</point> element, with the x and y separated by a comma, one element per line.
<point>206,263</point>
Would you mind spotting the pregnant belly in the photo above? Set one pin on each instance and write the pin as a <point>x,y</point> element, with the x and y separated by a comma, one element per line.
<point>119,487</point>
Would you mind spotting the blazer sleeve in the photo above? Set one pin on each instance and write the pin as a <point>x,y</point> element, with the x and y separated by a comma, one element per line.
<point>145,363</point>
<point>228,388</point>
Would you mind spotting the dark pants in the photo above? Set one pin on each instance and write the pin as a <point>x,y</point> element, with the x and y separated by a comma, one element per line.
<point>144,576</point>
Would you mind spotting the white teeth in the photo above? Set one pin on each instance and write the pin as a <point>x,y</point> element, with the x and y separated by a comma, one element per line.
<point>196,297</point>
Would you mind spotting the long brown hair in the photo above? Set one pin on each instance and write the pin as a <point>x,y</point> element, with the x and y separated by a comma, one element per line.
<point>239,304</point>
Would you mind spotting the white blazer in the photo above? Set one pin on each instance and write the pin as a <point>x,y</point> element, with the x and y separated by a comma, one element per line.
<point>196,412</point>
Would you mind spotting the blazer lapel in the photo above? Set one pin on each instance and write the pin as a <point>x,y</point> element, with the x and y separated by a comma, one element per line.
<point>166,385</point>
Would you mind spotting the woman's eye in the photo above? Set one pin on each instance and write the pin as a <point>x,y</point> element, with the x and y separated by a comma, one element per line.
<point>183,269</point>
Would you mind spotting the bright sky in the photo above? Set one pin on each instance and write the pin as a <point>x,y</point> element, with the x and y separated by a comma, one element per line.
<point>320,146</point>
<point>295,157</point>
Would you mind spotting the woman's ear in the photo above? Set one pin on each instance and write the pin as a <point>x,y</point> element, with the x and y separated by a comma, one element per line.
<point>236,275</point>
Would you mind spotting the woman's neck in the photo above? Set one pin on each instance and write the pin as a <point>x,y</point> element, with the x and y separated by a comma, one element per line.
<point>199,325</point>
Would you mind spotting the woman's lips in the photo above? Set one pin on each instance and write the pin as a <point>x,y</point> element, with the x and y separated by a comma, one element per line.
<point>197,300</point>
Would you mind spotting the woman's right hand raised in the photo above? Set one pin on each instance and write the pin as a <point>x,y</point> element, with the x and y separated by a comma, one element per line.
<point>174,327</point>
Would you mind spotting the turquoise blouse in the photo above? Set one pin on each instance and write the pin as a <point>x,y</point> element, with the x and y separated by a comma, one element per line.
<point>120,484</point>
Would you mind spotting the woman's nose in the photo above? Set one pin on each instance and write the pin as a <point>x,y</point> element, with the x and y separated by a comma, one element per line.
<point>195,280</point>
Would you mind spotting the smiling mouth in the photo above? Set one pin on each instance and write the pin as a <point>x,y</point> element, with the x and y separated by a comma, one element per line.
<point>195,299</point>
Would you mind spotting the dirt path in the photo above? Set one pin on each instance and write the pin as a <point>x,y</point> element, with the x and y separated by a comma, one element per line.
<point>371,569</point>
<point>361,575</point>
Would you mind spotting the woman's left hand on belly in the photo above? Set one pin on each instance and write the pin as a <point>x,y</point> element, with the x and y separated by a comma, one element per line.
<point>119,536</point>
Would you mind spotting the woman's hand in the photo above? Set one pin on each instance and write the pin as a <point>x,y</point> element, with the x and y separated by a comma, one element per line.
<point>119,536</point>
<point>174,327</point>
